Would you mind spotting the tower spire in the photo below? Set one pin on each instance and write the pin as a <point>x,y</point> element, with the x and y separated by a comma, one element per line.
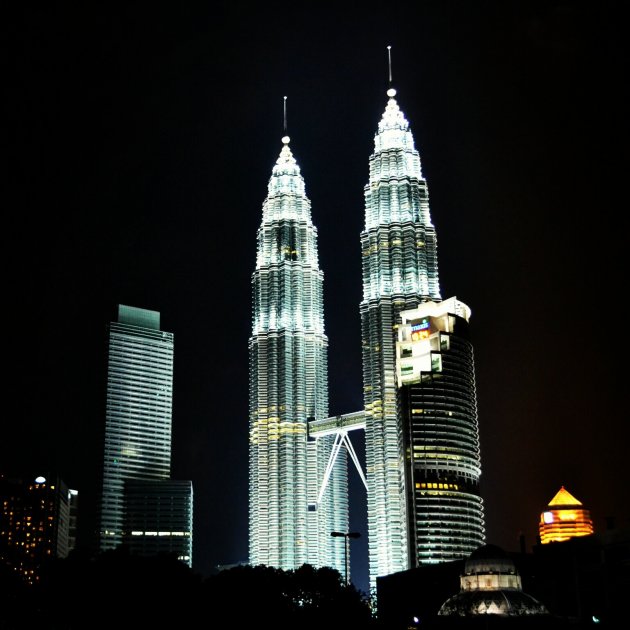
<point>391,92</point>
<point>288,352</point>
<point>285,137</point>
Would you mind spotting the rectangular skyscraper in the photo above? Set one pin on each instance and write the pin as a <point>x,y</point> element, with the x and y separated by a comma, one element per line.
<point>138,413</point>
<point>159,518</point>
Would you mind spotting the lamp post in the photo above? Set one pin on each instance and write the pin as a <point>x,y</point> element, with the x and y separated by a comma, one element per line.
<point>345,535</point>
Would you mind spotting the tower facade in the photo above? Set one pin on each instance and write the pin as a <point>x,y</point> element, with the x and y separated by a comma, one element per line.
<point>159,518</point>
<point>138,413</point>
<point>400,271</point>
<point>436,375</point>
<point>288,526</point>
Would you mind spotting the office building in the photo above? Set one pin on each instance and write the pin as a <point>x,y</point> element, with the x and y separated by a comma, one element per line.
<point>35,523</point>
<point>419,511</point>
<point>159,518</point>
<point>438,407</point>
<point>289,524</point>
<point>400,271</point>
<point>137,446</point>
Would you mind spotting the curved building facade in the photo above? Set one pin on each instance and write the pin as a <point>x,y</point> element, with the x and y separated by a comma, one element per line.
<point>289,387</point>
<point>436,375</point>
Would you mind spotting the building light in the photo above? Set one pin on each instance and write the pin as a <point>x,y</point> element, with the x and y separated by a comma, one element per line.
<point>565,519</point>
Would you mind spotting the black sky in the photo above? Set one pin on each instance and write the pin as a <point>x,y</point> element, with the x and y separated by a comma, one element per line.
<point>139,143</point>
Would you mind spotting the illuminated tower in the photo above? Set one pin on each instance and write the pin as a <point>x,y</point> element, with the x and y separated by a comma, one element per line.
<point>564,518</point>
<point>288,386</point>
<point>400,271</point>
<point>138,414</point>
<point>436,374</point>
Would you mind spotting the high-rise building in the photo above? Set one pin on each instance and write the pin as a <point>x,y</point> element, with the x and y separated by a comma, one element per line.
<point>137,426</point>
<point>564,518</point>
<point>159,518</point>
<point>400,271</point>
<point>289,523</point>
<point>400,274</point>
<point>73,516</point>
<point>438,406</point>
<point>138,412</point>
<point>34,523</point>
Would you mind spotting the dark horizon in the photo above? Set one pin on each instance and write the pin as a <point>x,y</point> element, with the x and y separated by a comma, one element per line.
<point>140,145</point>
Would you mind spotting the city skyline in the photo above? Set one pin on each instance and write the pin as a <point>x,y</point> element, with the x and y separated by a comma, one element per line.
<point>136,139</point>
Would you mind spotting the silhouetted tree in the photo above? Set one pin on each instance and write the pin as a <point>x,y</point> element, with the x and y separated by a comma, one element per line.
<point>116,589</point>
<point>304,598</point>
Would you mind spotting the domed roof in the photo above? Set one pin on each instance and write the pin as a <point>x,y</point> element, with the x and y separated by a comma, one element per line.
<point>491,585</point>
<point>511,603</point>
<point>489,559</point>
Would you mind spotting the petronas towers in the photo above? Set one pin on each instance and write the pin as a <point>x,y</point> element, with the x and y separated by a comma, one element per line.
<point>399,271</point>
<point>289,387</point>
<point>298,476</point>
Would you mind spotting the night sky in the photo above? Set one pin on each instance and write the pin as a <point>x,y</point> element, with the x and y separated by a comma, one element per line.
<point>139,141</point>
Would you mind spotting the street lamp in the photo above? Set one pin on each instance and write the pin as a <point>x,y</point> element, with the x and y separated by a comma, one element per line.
<point>345,535</point>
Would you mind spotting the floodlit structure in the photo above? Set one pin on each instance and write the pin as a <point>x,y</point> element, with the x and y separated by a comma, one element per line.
<point>138,430</point>
<point>564,518</point>
<point>289,522</point>
<point>138,413</point>
<point>297,454</point>
<point>491,585</point>
<point>438,407</point>
<point>400,271</point>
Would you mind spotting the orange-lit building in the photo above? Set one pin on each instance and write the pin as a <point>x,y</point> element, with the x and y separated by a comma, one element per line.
<point>564,518</point>
<point>35,518</point>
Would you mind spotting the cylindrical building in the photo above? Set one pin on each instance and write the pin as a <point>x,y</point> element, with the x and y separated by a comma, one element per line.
<point>436,375</point>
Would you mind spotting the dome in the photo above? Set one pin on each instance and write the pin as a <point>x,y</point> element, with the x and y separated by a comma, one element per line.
<point>510,603</point>
<point>491,585</point>
<point>489,559</point>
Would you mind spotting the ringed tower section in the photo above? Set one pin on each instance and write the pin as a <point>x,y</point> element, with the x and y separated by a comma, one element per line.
<point>288,384</point>
<point>400,271</point>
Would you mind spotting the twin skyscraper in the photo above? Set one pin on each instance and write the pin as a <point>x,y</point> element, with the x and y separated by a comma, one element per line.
<point>420,416</point>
